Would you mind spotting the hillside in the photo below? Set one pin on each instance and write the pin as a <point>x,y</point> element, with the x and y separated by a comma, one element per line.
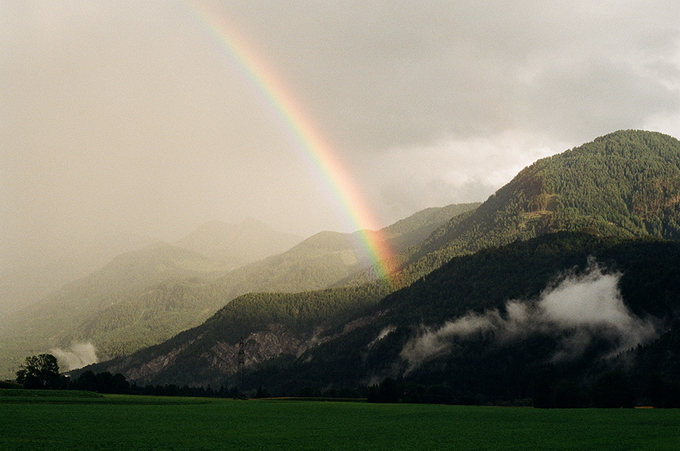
<point>234,245</point>
<point>23,284</point>
<point>564,308</point>
<point>145,297</point>
<point>483,320</point>
<point>332,258</point>
<point>419,226</point>
<point>621,186</point>
<point>59,319</point>
<point>626,183</point>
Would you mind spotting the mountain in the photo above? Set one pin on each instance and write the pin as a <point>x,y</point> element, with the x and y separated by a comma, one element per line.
<point>626,183</point>
<point>26,283</point>
<point>481,309</point>
<point>234,245</point>
<point>332,258</point>
<point>59,319</point>
<point>414,229</point>
<point>563,308</point>
<point>167,288</point>
<point>144,297</point>
<point>569,304</point>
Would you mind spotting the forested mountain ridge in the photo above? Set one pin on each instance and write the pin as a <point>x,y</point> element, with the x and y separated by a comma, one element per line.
<point>561,310</point>
<point>126,275</point>
<point>22,284</point>
<point>273,324</point>
<point>625,183</point>
<point>491,324</point>
<point>331,258</point>
<point>417,227</point>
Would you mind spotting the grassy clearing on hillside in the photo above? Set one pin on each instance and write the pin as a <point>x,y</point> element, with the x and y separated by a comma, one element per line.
<point>156,423</point>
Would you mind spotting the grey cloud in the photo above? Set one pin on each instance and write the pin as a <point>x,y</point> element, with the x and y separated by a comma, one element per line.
<point>597,97</point>
<point>130,117</point>
<point>397,74</point>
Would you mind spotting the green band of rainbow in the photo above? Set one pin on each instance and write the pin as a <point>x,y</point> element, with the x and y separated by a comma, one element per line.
<point>306,136</point>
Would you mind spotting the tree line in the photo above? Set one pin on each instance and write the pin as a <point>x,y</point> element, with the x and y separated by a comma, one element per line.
<point>41,372</point>
<point>613,389</point>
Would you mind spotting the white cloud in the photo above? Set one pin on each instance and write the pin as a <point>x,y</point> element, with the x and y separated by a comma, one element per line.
<point>452,170</point>
<point>383,333</point>
<point>76,356</point>
<point>577,310</point>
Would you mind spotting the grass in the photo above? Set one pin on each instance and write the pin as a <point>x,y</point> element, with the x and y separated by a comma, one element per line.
<point>158,423</point>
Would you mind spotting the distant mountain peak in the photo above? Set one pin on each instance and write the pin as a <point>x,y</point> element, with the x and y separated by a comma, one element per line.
<point>237,244</point>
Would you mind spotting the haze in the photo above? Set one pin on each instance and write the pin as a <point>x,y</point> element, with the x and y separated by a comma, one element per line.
<point>128,119</point>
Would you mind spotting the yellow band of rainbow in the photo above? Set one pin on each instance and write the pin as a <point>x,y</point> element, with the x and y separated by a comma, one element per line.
<point>306,135</point>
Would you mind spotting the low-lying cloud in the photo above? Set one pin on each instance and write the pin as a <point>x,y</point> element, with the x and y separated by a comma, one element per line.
<point>578,309</point>
<point>76,356</point>
<point>383,333</point>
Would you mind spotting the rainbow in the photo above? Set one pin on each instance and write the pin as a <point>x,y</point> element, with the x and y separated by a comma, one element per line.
<point>306,136</point>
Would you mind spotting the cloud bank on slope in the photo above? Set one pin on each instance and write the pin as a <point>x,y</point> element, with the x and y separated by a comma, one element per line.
<point>577,309</point>
<point>76,356</point>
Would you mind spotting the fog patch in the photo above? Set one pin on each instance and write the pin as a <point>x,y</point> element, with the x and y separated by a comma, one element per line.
<point>76,356</point>
<point>577,309</point>
<point>383,333</point>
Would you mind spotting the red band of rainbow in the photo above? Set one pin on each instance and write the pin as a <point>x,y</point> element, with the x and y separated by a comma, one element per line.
<point>307,137</point>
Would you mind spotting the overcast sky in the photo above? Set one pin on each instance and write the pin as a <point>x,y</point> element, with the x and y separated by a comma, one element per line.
<point>128,117</point>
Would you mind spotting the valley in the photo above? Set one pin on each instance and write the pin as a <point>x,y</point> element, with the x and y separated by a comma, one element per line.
<point>566,276</point>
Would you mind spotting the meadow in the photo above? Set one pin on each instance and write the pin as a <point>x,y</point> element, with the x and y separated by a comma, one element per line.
<point>83,421</point>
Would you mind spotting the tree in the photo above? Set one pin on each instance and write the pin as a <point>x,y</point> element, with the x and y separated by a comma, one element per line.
<point>389,391</point>
<point>613,390</point>
<point>39,371</point>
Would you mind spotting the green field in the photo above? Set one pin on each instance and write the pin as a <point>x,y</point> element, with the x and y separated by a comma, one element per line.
<point>116,422</point>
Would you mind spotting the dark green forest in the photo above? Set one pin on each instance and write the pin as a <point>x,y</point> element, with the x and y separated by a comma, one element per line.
<point>481,368</point>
